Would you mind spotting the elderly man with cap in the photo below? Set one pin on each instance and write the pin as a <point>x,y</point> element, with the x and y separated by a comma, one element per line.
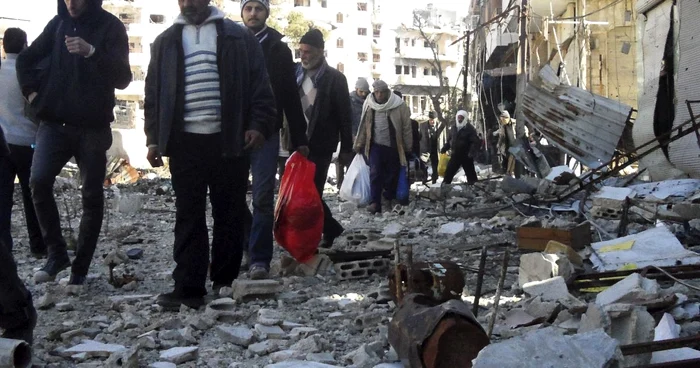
<point>323,91</point>
<point>263,162</point>
<point>464,142</point>
<point>386,137</point>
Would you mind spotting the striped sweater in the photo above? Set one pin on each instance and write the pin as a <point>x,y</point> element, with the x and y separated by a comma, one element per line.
<point>202,110</point>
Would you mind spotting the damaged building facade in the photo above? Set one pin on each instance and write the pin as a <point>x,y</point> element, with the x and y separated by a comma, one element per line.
<point>624,67</point>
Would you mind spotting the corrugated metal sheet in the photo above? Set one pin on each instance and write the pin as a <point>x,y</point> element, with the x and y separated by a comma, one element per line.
<point>644,6</point>
<point>584,125</point>
<point>685,153</point>
<point>653,34</point>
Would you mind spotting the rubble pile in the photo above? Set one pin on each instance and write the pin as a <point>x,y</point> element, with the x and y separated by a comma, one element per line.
<point>574,288</point>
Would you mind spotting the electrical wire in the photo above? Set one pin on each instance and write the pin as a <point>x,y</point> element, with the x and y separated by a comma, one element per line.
<point>674,278</point>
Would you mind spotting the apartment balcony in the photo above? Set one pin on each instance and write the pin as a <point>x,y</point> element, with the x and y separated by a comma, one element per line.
<point>425,53</point>
<point>418,80</point>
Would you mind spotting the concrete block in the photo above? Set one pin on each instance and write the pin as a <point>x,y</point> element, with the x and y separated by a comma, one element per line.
<point>633,288</point>
<point>255,288</point>
<point>550,290</point>
<point>319,264</point>
<point>368,320</point>
<point>539,267</point>
<point>539,308</point>
<point>361,269</point>
<point>633,328</point>
<point>668,329</point>
<point>94,349</point>
<point>269,317</point>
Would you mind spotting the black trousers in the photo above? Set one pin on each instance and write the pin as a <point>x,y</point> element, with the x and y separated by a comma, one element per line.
<point>15,299</point>
<point>197,165</point>
<point>434,159</point>
<point>466,162</point>
<point>331,227</point>
<point>18,164</point>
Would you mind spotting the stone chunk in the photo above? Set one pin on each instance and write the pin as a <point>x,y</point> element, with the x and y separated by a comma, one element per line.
<point>392,230</point>
<point>180,355</point>
<point>633,288</point>
<point>310,344</point>
<point>255,288</point>
<point>269,317</point>
<point>300,364</point>
<point>94,349</point>
<point>326,358</point>
<point>302,332</point>
<point>452,228</point>
<point>237,335</point>
<point>270,332</point>
<point>285,355</point>
<point>550,290</point>
<point>64,306</point>
<point>264,348</point>
<point>162,365</point>
<point>539,267</point>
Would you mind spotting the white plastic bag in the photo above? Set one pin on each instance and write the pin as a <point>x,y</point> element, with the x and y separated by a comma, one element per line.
<point>355,186</point>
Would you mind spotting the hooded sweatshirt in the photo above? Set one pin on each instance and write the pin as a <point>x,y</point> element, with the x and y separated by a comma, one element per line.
<point>73,89</point>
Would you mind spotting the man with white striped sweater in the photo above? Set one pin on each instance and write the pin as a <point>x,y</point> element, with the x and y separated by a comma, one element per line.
<point>208,105</point>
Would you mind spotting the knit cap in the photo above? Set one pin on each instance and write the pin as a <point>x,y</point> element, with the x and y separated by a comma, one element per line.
<point>314,38</point>
<point>362,84</point>
<point>265,3</point>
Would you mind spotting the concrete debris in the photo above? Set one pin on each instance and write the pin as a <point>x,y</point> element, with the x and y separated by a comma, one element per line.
<point>255,288</point>
<point>539,267</point>
<point>552,289</point>
<point>300,364</point>
<point>237,335</point>
<point>94,349</point>
<point>668,329</point>
<point>549,348</point>
<point>452,228</point>
<point>633,288</point>
<point>179,355</point>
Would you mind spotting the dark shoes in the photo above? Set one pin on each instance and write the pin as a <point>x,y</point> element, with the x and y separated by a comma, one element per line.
<point>373,209</point>
<point>51,269</point>
<point>172,301</point>
<point>259,272</point>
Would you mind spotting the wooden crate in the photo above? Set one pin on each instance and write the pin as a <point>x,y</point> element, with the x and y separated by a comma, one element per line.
<point>536,238</point>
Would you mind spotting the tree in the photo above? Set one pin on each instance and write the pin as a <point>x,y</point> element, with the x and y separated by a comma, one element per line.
<point>444,98</point>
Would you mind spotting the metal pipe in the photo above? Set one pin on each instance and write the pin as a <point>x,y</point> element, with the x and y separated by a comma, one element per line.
<point>479,281</point>
<point>497,299</point>
<point>15,353</point>
<point>397,272</point>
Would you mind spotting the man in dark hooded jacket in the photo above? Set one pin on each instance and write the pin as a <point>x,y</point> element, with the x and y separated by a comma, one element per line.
<point>69,74</point>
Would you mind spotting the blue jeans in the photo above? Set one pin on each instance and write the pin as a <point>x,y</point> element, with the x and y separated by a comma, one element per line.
<point>55,145</point>
<point>263,165</point>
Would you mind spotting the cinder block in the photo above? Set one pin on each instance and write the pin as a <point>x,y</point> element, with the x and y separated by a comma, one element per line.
<point>550,290</point>
<point>255,288</point>
<point>361,269</point>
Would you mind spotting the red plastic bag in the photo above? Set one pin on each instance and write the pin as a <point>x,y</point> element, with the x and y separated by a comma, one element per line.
<point>299,211</point>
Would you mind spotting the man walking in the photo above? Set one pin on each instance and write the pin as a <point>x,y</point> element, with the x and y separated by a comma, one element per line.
<point>17,313</point>
<point>429,144</point>
<point>464,142</point>
<point>263,162</point>
<point>20,138</point>
<point>507,137</point>
<point>357,100</point>
<point>324,98</point>
<point>386,137</point>
<point>88,52</point>
<point>208,105</point>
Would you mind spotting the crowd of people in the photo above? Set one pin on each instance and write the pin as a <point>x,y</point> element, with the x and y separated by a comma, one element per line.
<point>223,102</point>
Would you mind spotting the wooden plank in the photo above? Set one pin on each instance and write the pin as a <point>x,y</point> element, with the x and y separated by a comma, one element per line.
<point>536,238</point>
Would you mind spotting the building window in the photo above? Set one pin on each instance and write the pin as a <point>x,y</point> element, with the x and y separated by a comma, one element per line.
<point>362,6</point>
<point>377,30</point>
<point>406,41</point>
<point>324,3</point>
<point>397,49</point>
<point>362,31</point>
<point>434,72</point>
<point>302,2</point>
<point>406,69</point>
<point>413,42</point>
<point>362,56</point>
<point>339,18</point>
<point>413,71</point>
<point>157,18</point>
<point>339,43</point>
<point>426,71</point>
<point>399,68</point>
<point>297,54</point>
<point>426,43</point>
<point>376,58</point>
<point>341,67</point>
